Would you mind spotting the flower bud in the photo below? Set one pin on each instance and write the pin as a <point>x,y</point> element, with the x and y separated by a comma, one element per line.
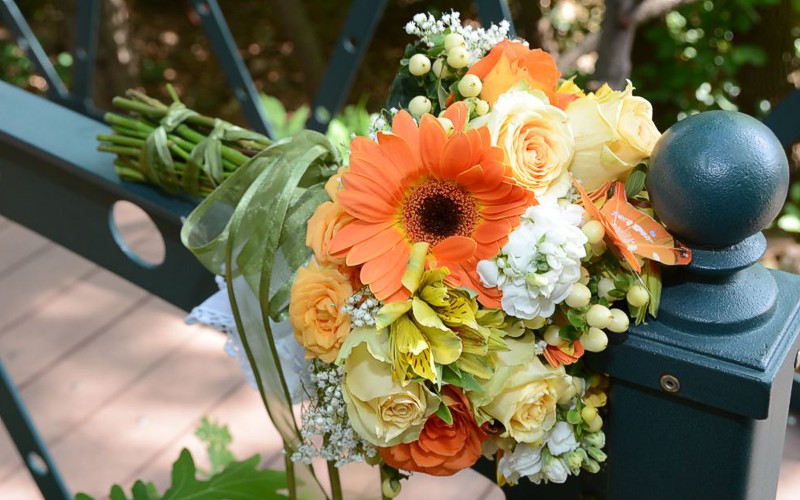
<point>457,57</point>
<point>390,487</point>
<point>419,105</point>
<point>591,466</point>
<point>596,439</point>
<point>419,64</point>
<point>579,296</point>
<point>440,69</point>
<point>595,340</point>
<point>574,461</point>
<point>637,296</point>
<point>454,40</point>
<point>599,316</point>
<point>620,322</point>
<point>588,413</point>
<point>597,454</point>
<point>596,424</point>
<point>551,336</point>
<point>594,231</point>
<point>447,124</point>
<point>470,86</point>
<point>481,106</point>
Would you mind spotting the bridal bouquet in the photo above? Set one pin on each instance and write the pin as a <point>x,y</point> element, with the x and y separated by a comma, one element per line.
<point>447,282</point>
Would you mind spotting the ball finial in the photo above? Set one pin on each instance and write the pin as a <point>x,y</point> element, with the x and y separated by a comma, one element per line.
<point>717,177</point>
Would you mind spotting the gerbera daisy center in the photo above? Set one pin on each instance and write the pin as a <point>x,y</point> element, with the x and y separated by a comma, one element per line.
<point>437,210</point>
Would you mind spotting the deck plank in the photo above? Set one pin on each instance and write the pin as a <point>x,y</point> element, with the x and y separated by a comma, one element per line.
<point>18,245</point>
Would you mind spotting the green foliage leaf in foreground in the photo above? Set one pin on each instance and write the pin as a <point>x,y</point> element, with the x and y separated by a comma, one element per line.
<point>237,481</point>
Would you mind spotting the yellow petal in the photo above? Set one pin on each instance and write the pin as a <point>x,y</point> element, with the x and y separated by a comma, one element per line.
<point>390,313</point>
<point>416,266</point>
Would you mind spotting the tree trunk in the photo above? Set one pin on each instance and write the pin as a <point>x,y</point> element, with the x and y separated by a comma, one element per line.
<point>117,67</point>
<point>616,42</point>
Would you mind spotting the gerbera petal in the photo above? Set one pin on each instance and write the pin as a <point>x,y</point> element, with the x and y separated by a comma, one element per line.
<point>489,232</point>
<point>392,263</point>
<point>405,126</point>
<point>472,175</point>
<point>458,114</point>
<point>372,185</point>
<point>454,249</point>
<point>455,157</point>
<point>432,139</point>
<point>374,247</point>
<point>356,232</point>
<point>400,154</point>
<point>361,205</point>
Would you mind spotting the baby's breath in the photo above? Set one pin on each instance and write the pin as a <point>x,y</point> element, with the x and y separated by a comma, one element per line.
<point>362,307</point>
<point>479,41</point>
<point>326,415</point>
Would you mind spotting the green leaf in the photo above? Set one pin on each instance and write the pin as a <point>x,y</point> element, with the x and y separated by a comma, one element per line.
<point>240,481</point>
<point>570,333</point>
<point>635,183</point>
<point>577,319</point>
<point>217,439</point>
<point>574,417</point>
<point>83,496</point>
<point>443,412</point>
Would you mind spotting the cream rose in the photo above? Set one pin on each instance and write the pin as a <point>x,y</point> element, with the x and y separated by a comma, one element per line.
<point>523,394</point>
<point>614,132</point>
<point>381,410</point>
<point>535,137</point>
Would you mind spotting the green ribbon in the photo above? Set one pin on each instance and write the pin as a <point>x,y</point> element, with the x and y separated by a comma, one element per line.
<point>252,230</point>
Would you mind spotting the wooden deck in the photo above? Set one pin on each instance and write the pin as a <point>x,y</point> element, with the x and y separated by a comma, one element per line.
<point>117,383</point>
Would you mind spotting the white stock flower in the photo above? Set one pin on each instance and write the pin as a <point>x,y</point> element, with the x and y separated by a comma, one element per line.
<point>524,461</point>
<point>561,439</point>
<point>541,261</point>
<point>555,470</point>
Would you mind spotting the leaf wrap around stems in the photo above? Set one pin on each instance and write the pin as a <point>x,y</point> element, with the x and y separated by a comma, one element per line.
<point>251,229</point>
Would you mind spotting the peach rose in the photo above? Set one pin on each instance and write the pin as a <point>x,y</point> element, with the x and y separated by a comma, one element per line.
<point>334,184</point>
<point>536,138</point>
<point>318,293</point>
<point>322,227</point>
<point>442,449</point>
<point>510,63</point>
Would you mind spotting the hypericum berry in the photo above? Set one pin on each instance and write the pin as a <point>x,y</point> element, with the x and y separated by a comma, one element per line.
<point>481,107</point>
<point>419,105</point>
<point>535,323</point>
<point>419,64</point>
<point>599,248</point>
<point>390,487</point>
<point>551,336</point>
<point>588,413</point>
<point>440,69</point>
<point>457,57</point>
<point>594,231</point>
<point>454,40</point>
<point>599,316</point>
<point>637,296</point>
<point>594,340</point>
<point>447,124</point>
<point>604,286</point>
<point>470,86</point>
<point>584,279</point>
<point>579,296</point>
<point>620,322</point>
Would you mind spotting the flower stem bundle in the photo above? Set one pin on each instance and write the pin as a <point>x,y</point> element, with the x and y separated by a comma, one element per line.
<point>174,147</point>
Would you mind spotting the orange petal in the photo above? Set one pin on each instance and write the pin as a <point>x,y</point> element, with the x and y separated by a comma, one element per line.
<point>400,154</point>
<point>488,232</point>
<point>369,208</point>
<point>374,246</point>
<point>458,114</point>
<point>455,157</point>
<point>454,249</point>
<point>472,175</point>
<point>405,126</point>
<point>355,232</point>
<point>432,139</point>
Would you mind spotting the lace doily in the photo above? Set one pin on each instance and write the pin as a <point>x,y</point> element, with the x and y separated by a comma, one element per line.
<point>216,312</point>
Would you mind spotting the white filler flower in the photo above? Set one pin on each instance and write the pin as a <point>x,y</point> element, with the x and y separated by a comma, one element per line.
<point>536,269</point>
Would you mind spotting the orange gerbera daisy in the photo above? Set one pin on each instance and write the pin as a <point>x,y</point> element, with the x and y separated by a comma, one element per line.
<point>631,232</point>
<point>419,184</point>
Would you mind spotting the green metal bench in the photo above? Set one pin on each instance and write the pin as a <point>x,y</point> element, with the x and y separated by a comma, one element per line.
<point>54,162</point>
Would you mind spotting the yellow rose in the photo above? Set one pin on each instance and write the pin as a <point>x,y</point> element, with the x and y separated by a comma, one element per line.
<point>614,132</point>
<point>382,411</point>
<point>327,220</point>
<point>318,294</point>
<point>535,137</point>
<point>524,393</point>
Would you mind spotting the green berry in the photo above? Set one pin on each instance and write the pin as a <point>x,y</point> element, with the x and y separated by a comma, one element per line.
<point>419,64</point>
<point>638,296</point>
<point>620,322</point>
<point>579,296</point>
<point>599,316</point>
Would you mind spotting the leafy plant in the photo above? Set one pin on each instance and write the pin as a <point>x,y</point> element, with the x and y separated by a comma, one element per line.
<point>217,439</point>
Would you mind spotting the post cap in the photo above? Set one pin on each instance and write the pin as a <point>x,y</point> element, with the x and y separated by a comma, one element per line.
<point>717,177</point>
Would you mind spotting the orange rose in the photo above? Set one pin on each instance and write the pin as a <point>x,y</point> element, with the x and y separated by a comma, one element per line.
<point>334,184</point>
<point>322,227</point>
<point>509,63</point>
<point>318,294</point>
<point>442,449</point>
